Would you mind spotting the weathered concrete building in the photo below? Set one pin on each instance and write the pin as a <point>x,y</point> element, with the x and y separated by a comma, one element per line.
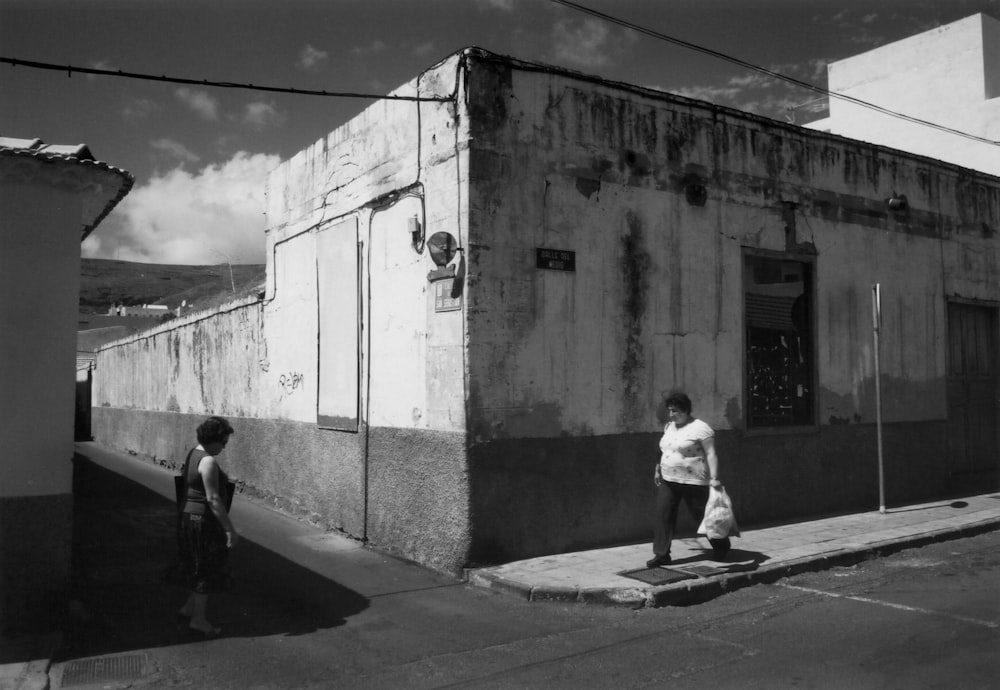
<point>51,198</point>
<point>476,304</point>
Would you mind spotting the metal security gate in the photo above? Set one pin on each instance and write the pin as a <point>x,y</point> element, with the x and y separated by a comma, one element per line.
<point>973,391</point>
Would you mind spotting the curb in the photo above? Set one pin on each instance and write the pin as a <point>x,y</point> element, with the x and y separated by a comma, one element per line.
<point>703,589</point>
<point>33,673</point>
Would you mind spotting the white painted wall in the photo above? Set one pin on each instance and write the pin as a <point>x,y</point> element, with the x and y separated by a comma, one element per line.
<point>949,76</point>
<point>395,162</point>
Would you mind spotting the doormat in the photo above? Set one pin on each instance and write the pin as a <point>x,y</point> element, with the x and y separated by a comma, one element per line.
<point>657,576</point>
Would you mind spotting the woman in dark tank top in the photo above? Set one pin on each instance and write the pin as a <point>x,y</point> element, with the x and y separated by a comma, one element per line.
<point>205,533</point>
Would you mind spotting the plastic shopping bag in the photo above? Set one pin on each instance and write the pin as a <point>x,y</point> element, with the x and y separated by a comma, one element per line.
<point>719,521</point>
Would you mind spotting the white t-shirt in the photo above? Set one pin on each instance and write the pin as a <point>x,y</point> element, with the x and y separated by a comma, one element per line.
<point>682,458</point>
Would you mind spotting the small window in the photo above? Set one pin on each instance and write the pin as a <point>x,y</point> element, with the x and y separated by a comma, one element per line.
<point>777,296</point>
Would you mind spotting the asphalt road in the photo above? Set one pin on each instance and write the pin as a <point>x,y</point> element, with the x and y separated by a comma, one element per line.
<point>923,618</point>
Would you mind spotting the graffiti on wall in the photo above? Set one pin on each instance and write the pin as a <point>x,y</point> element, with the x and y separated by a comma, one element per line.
<point>290,382</point>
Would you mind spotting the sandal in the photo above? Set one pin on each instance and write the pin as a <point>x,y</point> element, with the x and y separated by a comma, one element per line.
<point>209,634</point>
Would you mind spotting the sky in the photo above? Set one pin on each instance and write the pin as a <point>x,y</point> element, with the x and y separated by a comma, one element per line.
<point>200,155</point>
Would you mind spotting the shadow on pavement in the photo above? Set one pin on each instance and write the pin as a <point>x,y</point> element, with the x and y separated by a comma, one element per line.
<point>737,560</point>
<point>123,540</point>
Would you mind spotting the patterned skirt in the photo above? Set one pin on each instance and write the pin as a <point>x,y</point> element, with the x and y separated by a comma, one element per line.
<point>204,558</point>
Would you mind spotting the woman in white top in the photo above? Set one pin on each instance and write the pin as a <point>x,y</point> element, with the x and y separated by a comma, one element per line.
<point>688,466</point>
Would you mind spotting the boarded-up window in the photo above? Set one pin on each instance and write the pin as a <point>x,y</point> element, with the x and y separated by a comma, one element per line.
<point>779,352</point>
<point>339,325</point>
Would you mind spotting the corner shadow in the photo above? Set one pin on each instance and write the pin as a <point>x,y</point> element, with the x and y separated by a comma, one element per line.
<point>736,561</point>
<point>124,539</point>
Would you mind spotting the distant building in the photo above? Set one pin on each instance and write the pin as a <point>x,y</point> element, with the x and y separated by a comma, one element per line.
<point>146,310</point>
<point>949,75</point>
<point>51,198</point>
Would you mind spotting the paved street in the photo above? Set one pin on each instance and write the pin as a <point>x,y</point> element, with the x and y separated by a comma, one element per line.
<point>317,611</point>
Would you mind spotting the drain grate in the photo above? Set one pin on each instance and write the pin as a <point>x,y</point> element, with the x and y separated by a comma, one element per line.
<point>103,669</point>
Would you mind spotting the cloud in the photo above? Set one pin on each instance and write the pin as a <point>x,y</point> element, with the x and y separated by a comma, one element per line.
<point>712,94</point>
<point>140,108</point>
<point>105,65</point>
<point>310,58</point>
<point>762,94</point>
<point>174,150</point>
<point>260,115</point>
<point>425,49</point>
<point>190,218</point>
<point>373,48</point>
<point>206,105</point>
<point>588,43</point>
<point>502,5</point>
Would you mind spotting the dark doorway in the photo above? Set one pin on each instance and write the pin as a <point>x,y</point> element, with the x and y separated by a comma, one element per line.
<point>973,388</point>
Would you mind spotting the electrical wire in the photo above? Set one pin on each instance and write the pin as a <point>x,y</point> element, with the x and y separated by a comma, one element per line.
<point>70,69</point>
<point>768,72</point>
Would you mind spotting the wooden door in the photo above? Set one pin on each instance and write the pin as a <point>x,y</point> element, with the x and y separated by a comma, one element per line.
<point>973,391</point>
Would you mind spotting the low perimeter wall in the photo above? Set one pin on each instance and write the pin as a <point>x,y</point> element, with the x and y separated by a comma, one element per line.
<point>399,490</point>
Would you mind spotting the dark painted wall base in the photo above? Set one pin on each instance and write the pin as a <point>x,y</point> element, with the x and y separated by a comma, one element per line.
<point>533,497</point>
<point>409,498</point>
<point>414,494</point>
<point>36,534</point>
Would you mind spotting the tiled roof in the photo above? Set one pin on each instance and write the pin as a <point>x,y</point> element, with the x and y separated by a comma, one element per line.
<point>71,154</point>
<point>39,147</point>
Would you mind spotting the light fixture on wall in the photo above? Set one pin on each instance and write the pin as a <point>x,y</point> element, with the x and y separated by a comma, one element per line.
<point>442,247</point>
<point>897,202</point>
<point>447,279</point>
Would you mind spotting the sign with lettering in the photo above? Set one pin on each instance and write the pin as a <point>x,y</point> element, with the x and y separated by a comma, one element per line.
<point>445,298</point>
<point>555,259</point>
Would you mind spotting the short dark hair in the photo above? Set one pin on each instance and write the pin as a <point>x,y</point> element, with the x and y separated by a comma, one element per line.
<point>214,430</point>
<point>679,400</point>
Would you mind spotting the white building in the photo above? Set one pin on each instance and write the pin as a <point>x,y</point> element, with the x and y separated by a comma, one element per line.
<point>51,199</point>
<point>949,76</point>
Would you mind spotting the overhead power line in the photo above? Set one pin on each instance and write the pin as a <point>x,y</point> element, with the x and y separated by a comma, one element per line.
<point>771,73</point>
<point>70,69</point>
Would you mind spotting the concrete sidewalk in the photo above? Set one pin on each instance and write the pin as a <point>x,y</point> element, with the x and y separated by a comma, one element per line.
<point>360,574</point>
<point>760,555</point>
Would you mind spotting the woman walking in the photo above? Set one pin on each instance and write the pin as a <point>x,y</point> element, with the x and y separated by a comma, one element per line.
<point>205,532</point>
<point>688,466</point>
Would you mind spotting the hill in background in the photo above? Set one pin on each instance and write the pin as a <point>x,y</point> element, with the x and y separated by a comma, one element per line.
<point>106,282</point>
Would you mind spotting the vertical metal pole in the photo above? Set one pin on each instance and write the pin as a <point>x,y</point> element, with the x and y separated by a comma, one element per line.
<point>876,328</point>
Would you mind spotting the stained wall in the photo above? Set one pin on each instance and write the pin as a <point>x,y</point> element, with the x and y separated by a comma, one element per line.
<point>659,199</point>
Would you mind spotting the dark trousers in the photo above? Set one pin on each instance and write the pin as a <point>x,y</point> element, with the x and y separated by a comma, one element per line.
<point>668,499</point>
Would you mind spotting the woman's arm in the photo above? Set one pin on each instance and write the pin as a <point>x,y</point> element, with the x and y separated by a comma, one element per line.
<point>713,461</point>
<point>209,471</point>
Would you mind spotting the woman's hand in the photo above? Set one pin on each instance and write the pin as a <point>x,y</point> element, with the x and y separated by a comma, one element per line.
<point>232,537</point>
<point>715,483</point>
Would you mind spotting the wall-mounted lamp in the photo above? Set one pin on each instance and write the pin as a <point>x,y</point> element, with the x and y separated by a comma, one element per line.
<point>897,202</point>
<point>447,279</point>
<point>442,247</point>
